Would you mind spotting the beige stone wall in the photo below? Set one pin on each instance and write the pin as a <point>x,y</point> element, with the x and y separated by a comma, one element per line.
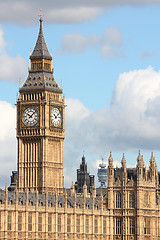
<point>40,148</point>
<point>68,227</point>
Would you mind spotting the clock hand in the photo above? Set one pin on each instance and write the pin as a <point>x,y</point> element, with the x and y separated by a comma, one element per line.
<point>31,114</point>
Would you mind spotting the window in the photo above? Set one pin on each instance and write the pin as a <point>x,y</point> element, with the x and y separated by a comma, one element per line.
<point>131,200</point>
<point>9,224</point>
<point>95,225</point>
<point>47,66</point>
<point>118,226</point>
<point>146,199</point>
<point>104,226</point>
<point>29,222</point>
<point>118,200</point>
<point>146,226</point>
<point>78,224</point>
<point>19,221</point>
<point>39,222</point>
<point>59,223</point>
<point>49,223</point>
<point>132,226</point>
<point>68,224</point>
<point>87,224</point>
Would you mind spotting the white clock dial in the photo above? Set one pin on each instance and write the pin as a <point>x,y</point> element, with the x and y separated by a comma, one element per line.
<point>55,117</point>
<point>30,116</point>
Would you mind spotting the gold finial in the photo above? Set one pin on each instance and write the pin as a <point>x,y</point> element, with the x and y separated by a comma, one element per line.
<point>61,84</point>
<point>20,83</point>
<point>41,14</point>
<point>83,151</point>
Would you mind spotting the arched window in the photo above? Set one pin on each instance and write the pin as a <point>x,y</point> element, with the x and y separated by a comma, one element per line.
<point>118,200</point>
<point>131,200</point>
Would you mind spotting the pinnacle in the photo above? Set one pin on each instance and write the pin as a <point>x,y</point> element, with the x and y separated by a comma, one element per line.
<point>40,49</point>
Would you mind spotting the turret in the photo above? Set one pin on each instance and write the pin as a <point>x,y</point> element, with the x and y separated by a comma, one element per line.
<point>83,176</point>
<point>85,189</point>
<point>110,181</point>
<point>140,166</point>
<point>152,168</point>
<point>94,191</point>
<point>123,165</point>
<point>72,189</point>
<point>110,170</point>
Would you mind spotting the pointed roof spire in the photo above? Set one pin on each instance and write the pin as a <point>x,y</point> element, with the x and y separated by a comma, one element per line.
<point>139,155</point>
<point>83,160</point>
<point>140,161</point>
<point>40,75</point>
<point>110,159</point>
<point>40,49</point>
<point>123,162</point>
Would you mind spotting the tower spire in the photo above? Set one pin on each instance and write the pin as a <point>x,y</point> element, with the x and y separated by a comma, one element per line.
<point>41,15</point>
<point>40,49</point>
<point>40,68</point>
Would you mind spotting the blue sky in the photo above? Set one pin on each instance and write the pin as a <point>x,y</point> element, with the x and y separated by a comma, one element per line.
<point>108,58</point>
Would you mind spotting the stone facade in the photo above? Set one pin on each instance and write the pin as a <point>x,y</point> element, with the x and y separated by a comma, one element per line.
<point>39,207</point>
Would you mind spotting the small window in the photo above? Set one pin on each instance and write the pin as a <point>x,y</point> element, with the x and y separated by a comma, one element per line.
<point>87,224</point>
<point>40,222</point>
<point>78,224</point>
<point>59,223</point>
<point>104,226</point>
<point>118,200</point>
<point>131,200</point>
<point>68,224</point>
<point>96,225</point>
<point>20,222</point>
<point>49,223</point>
<point>146,226</point>
<point>132,226</point>
<point>118,226</point>
<point>29,222</point>
<point>9,224</point>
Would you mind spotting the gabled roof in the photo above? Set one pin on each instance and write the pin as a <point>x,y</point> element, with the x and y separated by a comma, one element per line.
<point>40,49</point>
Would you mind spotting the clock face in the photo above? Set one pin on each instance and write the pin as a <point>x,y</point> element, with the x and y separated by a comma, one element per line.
<point>30,116</point>
<point>55,117</point>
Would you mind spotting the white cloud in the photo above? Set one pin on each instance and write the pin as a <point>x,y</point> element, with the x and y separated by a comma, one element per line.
<point>8,118</point>
<point>70,11</point>
<point>73,14</point>
<point>109,43</point>
<point>80,42</point>
<point>2,42</point>
<point>7,141</point>
<point>11,68</point>
<point>131,121</point>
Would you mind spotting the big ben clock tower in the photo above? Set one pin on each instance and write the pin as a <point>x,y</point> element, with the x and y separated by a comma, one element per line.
<point>40,125</point>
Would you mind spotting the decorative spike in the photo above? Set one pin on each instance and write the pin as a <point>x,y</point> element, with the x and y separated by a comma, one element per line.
<point>41,15</point>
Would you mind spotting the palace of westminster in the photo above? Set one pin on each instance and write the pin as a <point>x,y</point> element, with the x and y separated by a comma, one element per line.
<point>37,206</point>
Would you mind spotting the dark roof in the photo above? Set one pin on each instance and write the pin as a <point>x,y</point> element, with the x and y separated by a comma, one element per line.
<point>40,81</point>
<point>40,49</point>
